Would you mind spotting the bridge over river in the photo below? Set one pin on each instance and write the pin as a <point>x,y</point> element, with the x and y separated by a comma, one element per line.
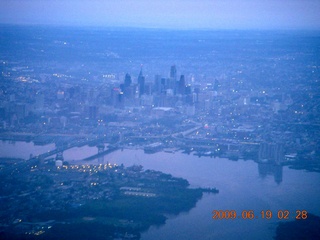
<point>63,147</point>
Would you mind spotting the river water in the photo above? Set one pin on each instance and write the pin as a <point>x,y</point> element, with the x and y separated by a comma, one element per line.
<point>243,185</point>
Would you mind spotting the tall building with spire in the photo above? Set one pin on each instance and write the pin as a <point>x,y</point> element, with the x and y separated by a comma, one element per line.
<point>141,83</point>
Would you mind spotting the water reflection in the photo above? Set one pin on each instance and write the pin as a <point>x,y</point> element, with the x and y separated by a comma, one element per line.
<point>266,169</point>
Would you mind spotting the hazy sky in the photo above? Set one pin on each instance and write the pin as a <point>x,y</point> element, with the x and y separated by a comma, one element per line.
<point>216,14</point>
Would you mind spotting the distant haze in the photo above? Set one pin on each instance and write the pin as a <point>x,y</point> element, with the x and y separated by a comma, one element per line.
<point>175,14</point>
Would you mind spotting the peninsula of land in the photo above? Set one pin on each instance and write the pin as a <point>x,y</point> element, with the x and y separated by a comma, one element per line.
<point>88,201</point>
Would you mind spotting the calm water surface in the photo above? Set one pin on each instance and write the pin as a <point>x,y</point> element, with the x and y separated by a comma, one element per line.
<point>243,185</point>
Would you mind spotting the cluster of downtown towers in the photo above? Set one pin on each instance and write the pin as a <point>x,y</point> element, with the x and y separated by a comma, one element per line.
<point>165,92</point>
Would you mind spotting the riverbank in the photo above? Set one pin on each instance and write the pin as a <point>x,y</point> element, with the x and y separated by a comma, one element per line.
<point>49,202</point>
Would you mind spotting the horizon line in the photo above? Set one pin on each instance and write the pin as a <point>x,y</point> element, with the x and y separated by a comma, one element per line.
<point>155,28</point>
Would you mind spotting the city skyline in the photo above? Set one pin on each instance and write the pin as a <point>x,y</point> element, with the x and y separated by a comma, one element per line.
<point>177,14</point>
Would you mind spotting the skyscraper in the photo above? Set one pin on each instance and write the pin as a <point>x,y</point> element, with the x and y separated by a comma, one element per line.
<point>173,72</point>
<point>127,80</point>
<point>157,84</point>
<point>126,87</point>
<point>182,85</point>
<point>271,152</point>
<point>141,82</point>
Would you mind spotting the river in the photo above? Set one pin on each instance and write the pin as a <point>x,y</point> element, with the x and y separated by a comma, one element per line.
<point>243,185</point>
